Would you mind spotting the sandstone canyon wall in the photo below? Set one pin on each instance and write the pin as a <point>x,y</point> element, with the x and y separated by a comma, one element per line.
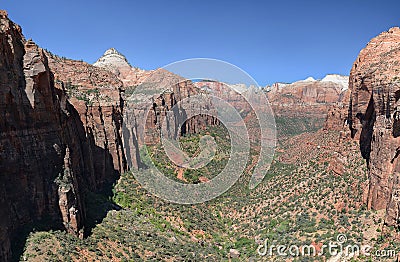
<point>62,128</point>
<point>374,119</point>
<point>148,97</point>
<point>52,149</point>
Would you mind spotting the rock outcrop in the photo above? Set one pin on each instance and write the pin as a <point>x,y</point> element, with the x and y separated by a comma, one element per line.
<point>374,119</point>
<point>337,116</point>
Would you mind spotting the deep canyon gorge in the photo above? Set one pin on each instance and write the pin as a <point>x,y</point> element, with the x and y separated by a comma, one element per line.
<point>68,128</point>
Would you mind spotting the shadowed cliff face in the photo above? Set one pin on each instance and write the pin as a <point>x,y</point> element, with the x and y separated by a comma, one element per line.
<point>374,119</point>
<point>52,149</point>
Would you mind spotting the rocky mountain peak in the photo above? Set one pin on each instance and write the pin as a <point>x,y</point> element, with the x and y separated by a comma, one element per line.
<point>113,61</point>
<point>113,51</point>
<point>341,80</point>
<point>116,63</point>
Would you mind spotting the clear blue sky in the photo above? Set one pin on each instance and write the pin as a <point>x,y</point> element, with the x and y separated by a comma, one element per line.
<point>271,40</point>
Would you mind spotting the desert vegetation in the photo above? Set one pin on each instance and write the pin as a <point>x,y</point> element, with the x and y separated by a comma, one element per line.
<point>301,201</point>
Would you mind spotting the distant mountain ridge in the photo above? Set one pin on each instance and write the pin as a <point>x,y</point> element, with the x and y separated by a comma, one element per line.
<point>341,80</point>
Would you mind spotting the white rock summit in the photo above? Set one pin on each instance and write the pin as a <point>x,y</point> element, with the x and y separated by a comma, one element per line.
<point>113,61</point>
<point>340,81</point>
<point>337,79</point>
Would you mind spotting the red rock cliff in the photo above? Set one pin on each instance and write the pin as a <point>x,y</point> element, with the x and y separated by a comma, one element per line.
<point>52,148</point>
<point>374,119</point>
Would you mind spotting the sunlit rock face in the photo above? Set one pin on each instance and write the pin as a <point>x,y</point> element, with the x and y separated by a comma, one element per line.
<point>307,97</point>
<point>374,118</point>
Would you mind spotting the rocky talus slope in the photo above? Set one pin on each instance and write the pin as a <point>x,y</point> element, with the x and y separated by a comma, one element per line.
<point>374,119</point>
